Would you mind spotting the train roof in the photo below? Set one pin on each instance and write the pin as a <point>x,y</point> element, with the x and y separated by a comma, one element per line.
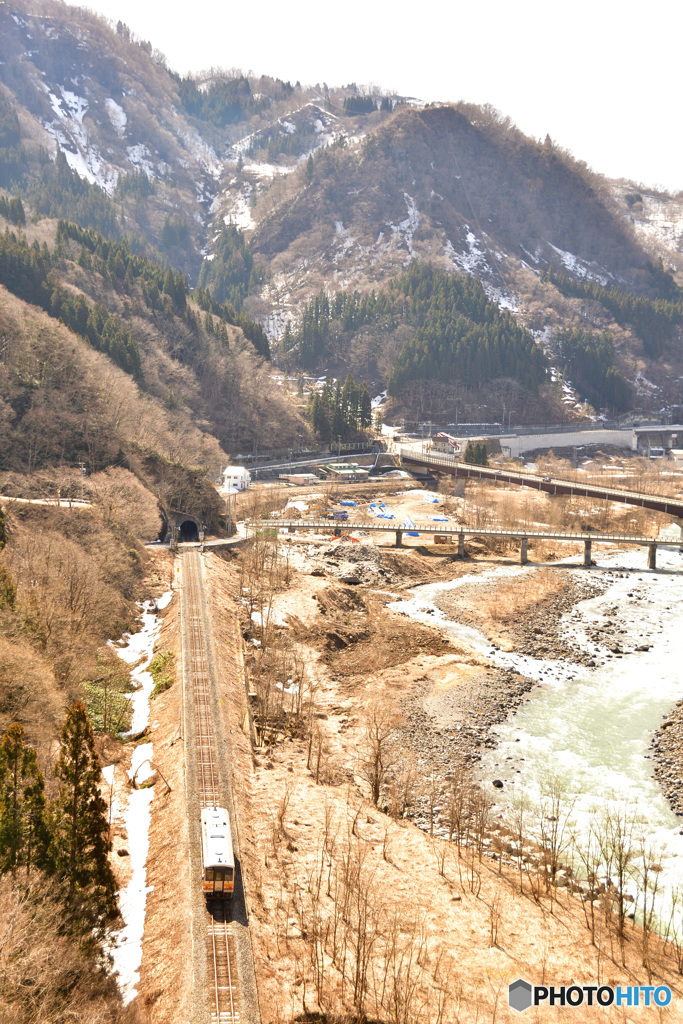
<point>216,838</point>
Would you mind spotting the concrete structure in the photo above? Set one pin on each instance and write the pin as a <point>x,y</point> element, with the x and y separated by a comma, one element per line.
<point>349,472</point>
<point>459,533</point>
<point>236,478</point>
<point>298,479</point>
<point>663,435</point>
<point>184,528</point>
<point>676,456</point>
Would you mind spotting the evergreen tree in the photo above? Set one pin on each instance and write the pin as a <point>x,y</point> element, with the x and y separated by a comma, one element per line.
<point>476,453</point>
<point>23,831</point>
<point>80,830</point>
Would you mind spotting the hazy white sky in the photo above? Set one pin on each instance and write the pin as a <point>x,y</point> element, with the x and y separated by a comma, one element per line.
<point>603,78</point>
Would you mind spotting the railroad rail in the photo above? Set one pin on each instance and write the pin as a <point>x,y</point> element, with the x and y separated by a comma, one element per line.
<point>220,944</point>
<point>340,526</point>
<point>551,485</point>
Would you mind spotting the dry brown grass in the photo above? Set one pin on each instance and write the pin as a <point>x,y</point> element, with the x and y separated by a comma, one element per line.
<point>45,977</point>
<point>351,907</point>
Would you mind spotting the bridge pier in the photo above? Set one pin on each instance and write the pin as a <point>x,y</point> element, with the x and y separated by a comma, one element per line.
<point>399,538</point>
<point>524,553</point>
<point>587,544</point>
<point>461,545</point>
<point>652,556</point>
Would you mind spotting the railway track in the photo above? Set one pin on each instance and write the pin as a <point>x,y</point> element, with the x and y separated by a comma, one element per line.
<point>222,994</point>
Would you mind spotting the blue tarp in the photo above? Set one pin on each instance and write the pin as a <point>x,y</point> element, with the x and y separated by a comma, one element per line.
<point>348,503</point>
<point>439,519</point>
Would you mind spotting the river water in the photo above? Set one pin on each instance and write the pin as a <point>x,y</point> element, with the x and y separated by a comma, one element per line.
<point>591,728</point>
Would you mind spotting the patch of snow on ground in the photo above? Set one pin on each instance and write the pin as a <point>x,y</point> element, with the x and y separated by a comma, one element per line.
<point>643,385</point>
<point>126,944</point>
<point>139,156</point>
<point>139,648</point>
<point>343,238</point>
<point>70,134</point>
<point>76,106</point>
<point>379,401</point>
<point>470,262</point>
<point>534,258</point>
<point>406,228</point>
<point>569,395</point>
<point>578,267</point>
<point>498,296</point>
<point>267,170</point>
<point>117,116</point>
<point>202,153</point>
<point>661,219</point>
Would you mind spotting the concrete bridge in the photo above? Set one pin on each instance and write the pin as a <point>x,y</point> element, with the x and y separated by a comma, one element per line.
<point>461,532</point>
<point>551,485</point>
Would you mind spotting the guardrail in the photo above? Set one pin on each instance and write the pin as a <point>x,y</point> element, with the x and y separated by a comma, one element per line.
<point>341,526</point>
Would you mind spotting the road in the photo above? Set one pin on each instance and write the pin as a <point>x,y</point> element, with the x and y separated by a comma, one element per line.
<point>54,502</point>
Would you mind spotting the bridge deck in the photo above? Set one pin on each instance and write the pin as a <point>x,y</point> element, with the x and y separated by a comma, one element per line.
<point>453,529</point>
<point>551,485</point>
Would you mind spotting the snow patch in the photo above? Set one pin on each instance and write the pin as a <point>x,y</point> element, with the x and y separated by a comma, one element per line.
<point>472,261</point>
<point>72,137</point>
<point>126,944</point>
<point>117,116</point>
<point>407,228</point>
<point>204,155</point>
<point>579,267</point>
<point>139,156</point>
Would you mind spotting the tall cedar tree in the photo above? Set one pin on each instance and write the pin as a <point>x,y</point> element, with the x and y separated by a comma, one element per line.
<point>476,453</point>
<point>23,832</point>
<point>80,830</point>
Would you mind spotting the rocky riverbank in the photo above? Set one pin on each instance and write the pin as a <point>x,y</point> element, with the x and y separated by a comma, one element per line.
<point>451,730</point>
<point>536,631</point>
<point>449,727</point>
<point>667,752</point>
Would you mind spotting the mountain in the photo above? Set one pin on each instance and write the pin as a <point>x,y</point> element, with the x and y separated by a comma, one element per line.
<point>269,194</point>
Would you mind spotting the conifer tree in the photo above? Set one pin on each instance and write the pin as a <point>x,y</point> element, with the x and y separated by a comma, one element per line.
<point>80,839</point>
<point>23,831</point>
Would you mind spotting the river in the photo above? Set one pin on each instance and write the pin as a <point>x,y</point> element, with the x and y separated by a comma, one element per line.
<point>590,729</point>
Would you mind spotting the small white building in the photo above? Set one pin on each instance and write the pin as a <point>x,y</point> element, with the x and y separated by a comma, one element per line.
<point>236,478</point>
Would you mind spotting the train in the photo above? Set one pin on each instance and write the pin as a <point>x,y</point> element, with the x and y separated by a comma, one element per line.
<point>218,860</point>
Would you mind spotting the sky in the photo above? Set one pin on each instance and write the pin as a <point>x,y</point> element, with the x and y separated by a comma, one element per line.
<point>602,78</point>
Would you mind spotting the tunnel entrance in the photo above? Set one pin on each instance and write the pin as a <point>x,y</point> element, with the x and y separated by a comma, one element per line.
<point>188,531</point>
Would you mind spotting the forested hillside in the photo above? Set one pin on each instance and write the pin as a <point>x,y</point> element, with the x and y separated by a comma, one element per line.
<point>269,194</point>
